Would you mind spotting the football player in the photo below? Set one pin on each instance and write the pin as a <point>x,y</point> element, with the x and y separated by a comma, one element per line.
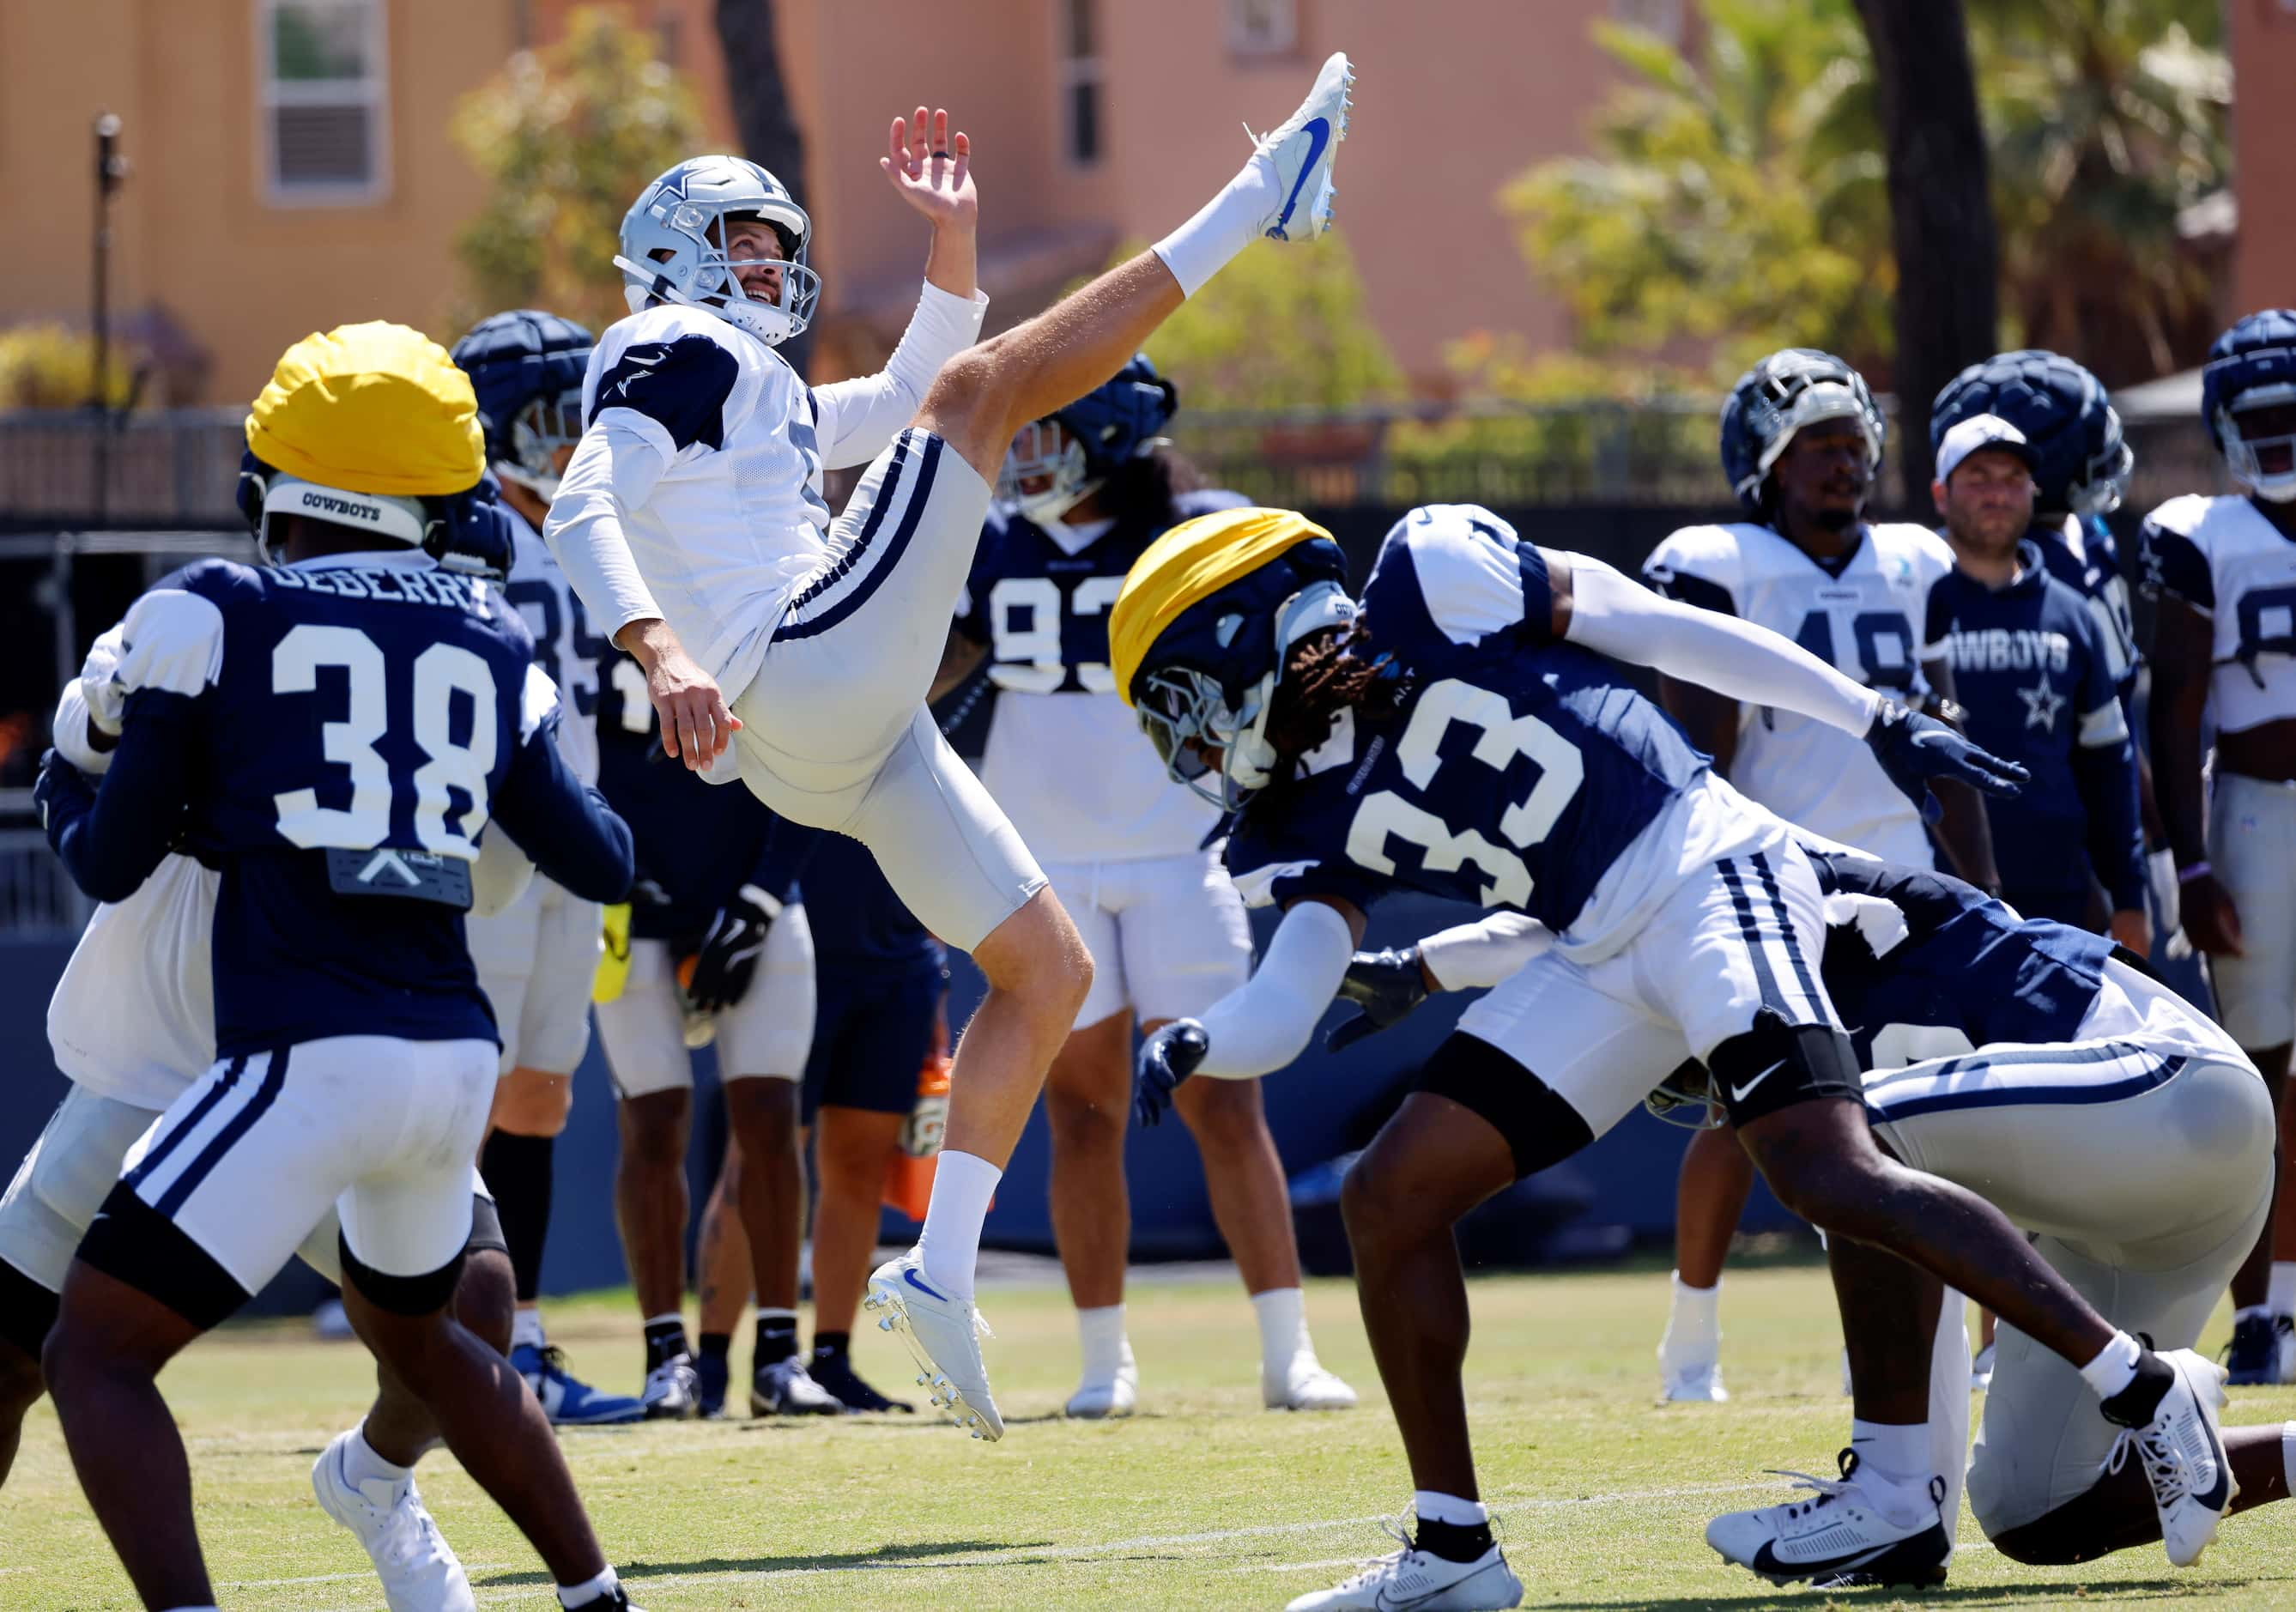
<point>2224,647</point>
<point>692,521</point>
<point>333,731</point>
<point>1459,732</point>
<point>720,951</point>
<point>1084,490</point>
<point>1801,440</point>
<point>2045,1068</point>
<point>536,959</point>
<point>2037,681</point>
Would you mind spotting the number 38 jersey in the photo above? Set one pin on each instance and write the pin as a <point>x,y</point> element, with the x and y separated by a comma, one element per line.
<point>335,735</point>
<point>1515,770</point>
<point>2231,565</point>
<point>1063,757</point>
<point>1865,619</point>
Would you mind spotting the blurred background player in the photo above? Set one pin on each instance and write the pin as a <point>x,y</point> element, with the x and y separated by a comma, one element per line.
<point>881,988</point>
<point>2224,647</point>
<point>1802,441</point>
<point>357,1055</point>
<point>2037,681</point>
<point>1084,491</point>
<point>537,959</point>
<point>720,955</point>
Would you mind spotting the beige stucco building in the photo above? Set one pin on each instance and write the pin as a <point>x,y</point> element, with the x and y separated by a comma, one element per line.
<point>291,167</point>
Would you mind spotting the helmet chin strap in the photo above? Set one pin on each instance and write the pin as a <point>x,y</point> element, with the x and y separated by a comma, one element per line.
<point>732,310</point>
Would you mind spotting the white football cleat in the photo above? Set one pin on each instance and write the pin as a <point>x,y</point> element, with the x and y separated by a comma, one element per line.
<point>1302,149</point>
<point>786,1388</point>
<point>1306,1384</point>
<point>1697,1382</point>
<point>1422,1582</point>
<point>944,1334</point>
<point>417,1567</point>
<point>2184,1457</point>
<point>1837,1537</point>
<point>672,1391</point>
<point>1118,1396</point>
<point>1980,1370</point>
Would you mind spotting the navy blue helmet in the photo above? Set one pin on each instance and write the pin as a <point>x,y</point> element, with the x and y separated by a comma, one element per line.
<point>526,368</point>
<point>1056,462</point>
<point>2253,366</point>
<point>1794,387</point>
<point>2081,461</point>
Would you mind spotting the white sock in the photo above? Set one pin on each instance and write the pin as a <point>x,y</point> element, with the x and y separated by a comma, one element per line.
<point>1101,1335</point>
<point>1434,1506</point>
<point>1893,1460</point>
<point>1225,226</point>
<point>362,1465</point>
<point>949,1245</point>
<point>1694,1323</point>
<point>526,1328</point>
<point>1283,1327</point>
<point>2282,1292</point>
<point>589,1590</point>
<point>2114,1367</point>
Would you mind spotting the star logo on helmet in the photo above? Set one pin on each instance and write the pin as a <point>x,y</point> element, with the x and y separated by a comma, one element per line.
<point>674,182</point>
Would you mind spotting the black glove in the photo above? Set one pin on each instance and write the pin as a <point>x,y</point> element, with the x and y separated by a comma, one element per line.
<point>728,958</point>
<point>60,795</point>
<point>1387,985</point>
<point>1166,1058</point>
<point>1913,748</point>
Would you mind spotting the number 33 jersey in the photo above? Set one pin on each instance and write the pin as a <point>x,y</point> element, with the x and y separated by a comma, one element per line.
<point>1864,618</point>
<point>338,733</point>
<point>1514,769</point>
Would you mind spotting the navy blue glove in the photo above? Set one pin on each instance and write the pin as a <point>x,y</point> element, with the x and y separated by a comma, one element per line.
<point>728,958</point>
<point>1166,1058</point>
<point>1913,748</point>
<point>62,794</point>
<point>1387,985</point>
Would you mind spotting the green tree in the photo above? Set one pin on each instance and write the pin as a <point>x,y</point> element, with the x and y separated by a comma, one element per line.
<point>566,137</point>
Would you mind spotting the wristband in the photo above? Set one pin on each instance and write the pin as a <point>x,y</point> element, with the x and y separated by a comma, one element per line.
<point>2196,871</point>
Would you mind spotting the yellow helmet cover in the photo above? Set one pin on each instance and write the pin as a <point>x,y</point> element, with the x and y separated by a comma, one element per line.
<point>373,409</point>
<point>1187,565</point>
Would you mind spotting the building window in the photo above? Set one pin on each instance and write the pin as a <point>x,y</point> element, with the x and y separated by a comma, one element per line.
<point>1081,81</point>
<point>1663,18</point>
<point>1263,28</point>
<point>325,133</point>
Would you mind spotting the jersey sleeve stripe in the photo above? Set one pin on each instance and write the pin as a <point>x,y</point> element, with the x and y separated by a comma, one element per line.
<point>2106,725</point>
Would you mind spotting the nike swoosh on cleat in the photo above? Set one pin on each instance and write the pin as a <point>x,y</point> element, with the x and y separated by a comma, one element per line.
<point>1387,1602</point>
<point>1319,134</point>
<point>910,1276</point>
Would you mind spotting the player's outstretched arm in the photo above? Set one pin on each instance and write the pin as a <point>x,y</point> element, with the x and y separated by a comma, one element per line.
<point>111,839</point>
<point>569,831</point>
<point>1265,1023</point>
<point>1388,986</point>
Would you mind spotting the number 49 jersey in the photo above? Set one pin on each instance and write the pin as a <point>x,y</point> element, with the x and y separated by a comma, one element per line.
<point>2223,558</point>
<point>338,733</point>
<point>1514,771</point>
<point>1865,619</point>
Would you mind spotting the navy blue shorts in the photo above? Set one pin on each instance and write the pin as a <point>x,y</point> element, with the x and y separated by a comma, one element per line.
<point>871,1033</point>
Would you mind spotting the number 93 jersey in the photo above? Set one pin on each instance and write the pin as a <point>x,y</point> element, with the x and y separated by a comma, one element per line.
<point>1064,758</point>
<point>1864,616</point>
<point>346,723</point>
<point>1512,770</point>
<point>2233,566</point>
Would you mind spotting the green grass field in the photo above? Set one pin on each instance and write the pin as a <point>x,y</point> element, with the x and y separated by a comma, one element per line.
<point>1204,1501</point>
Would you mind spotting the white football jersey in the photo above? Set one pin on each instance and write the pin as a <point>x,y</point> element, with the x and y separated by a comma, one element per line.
<point>1869,620</point>
<point>730,519</point>
<point>2231,565</point>
<point>563,645</point>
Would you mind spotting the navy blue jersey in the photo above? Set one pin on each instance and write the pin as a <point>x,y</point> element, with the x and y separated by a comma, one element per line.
<point>332,736</point>
<point>1966,964</point>
<point>697,842</point>
<point>2031,667</point>
<point>1514,770</point>
<point>2084,556</point>
<point>859,926</point>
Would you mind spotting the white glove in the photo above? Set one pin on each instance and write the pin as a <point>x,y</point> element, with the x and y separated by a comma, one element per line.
<point>2161,873</point>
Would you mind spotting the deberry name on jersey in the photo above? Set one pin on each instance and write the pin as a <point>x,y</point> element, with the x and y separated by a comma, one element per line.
<point>1068,767</point>
<point>1865,616</point>
<point>335,735</point>
<point>1509,769</point>
<point>2231,565</point>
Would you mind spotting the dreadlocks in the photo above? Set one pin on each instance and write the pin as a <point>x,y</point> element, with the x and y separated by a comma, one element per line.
<point>1328,673</point>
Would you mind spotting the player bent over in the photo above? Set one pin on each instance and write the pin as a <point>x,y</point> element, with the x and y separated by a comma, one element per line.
<point>691,521</point>
<point>1085,491</point>
<point>2102,1115</point>
<point>537,959</point>
<point>334,733</point>
<point>1460,732</point>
